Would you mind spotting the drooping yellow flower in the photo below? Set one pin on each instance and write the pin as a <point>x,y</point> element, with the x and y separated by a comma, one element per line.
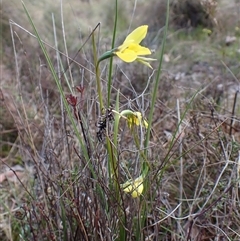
<point>135,187</point>
<point>134,118</point>
<point>131,49</point>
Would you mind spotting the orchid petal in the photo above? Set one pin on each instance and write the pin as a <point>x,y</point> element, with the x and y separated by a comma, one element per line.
<point>144,62</point>
<point>135,187</point>
<point>137,35</point>
<point>140,50</point>
<point>127,55</point>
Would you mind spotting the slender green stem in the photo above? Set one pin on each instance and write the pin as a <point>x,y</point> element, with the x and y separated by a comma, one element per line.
<point>155,89</point>
<point>98,80</point>
<point>114,163</point>
<point>111,59</point>
<point>122,217</point>
<point>115,141</point>
<point>145,166</point>
<point>150,118</point>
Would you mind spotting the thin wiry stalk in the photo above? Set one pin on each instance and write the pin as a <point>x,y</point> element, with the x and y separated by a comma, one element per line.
<point>61,216</point>
<point>180,163</point>
<point>132,16</point>
<point>60,52</point>
<point>157,80</point>
<point>59,63</point>
<point>25,124</point>
<point>58,84</point>
<point>215,185</point>
<point>65,42</point>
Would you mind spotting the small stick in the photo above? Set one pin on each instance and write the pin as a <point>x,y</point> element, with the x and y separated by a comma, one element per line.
<point>233,112</point>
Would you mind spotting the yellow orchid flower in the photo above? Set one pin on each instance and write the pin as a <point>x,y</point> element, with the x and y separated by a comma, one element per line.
<point>131,49</point>
<point>135,187</point>
<point>135,118</point>
<point>132,118</point>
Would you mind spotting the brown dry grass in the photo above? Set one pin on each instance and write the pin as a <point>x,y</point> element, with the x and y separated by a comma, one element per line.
<point>38,145</point>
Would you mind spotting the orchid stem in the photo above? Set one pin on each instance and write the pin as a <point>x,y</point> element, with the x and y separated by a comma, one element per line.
<point>98,80</point>
<point>99,90</point>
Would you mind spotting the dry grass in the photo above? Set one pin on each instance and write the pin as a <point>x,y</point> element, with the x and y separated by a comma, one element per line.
<point>47,188</point>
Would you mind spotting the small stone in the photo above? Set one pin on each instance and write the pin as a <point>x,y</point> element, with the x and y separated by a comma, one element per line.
<point>230,40</point>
